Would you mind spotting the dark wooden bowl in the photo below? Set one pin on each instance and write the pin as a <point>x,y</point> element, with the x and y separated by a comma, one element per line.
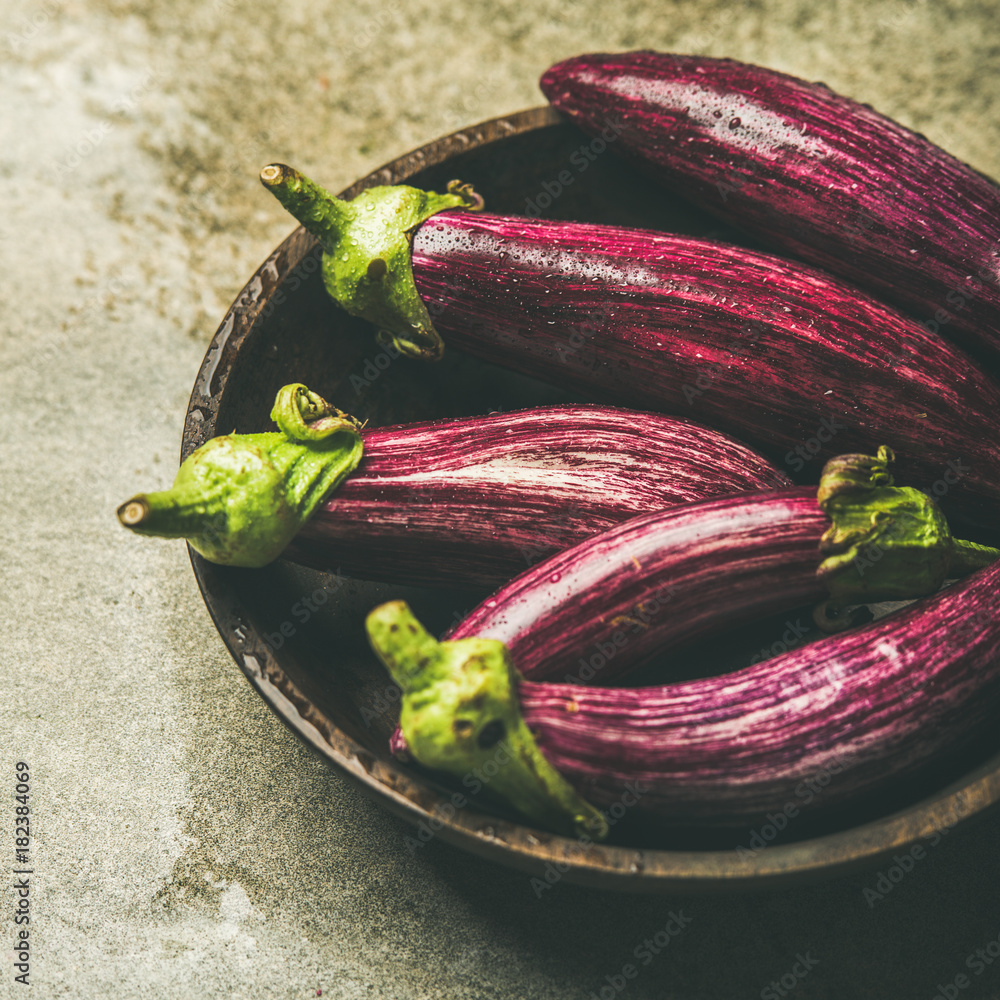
<point>298,634</point>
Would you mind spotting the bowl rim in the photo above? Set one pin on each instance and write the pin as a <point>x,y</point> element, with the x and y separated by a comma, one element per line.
<point>399,789</point>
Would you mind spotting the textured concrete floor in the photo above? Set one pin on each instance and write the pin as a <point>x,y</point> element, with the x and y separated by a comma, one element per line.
<point>184,843</point>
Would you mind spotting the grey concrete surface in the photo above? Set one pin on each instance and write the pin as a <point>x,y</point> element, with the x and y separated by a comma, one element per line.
<point>184,844</point>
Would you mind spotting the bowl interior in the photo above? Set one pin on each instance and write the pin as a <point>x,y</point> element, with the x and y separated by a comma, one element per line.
<point>298,635</point>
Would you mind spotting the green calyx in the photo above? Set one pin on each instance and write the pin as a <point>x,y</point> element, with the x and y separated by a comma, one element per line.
<point>886,543</point>
<point>460,713</point>
<point>240,499</point>
<point>367,250</point>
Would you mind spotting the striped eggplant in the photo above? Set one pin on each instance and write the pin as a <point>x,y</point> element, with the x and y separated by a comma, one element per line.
<point>776,353</point>
<point>809,172</point>
<point>595,611</point>
<point>468,501</point>
<point>600,608</point>
<point>477,500</point>
<point>866,706</point>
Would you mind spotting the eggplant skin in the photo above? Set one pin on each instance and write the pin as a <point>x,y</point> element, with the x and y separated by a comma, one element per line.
<point>477,500</point>
<point>778,354</point>
<point>811,173</point>
<point>595,611</point>
<point>863,708</point>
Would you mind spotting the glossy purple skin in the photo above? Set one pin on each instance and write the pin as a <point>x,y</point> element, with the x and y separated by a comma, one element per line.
<point>809,172</point>
<point>478,500</point>
<point>848,713</point>
<point>654,582</point>
<point>777,353</point>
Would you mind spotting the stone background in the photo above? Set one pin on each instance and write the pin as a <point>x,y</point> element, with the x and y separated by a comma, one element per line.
<point>185,844</point>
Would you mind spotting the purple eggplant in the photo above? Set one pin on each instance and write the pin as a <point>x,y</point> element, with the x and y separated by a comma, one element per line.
<point>477,500</point>
<point>468,501</point>
<point>597,610</point>
<point>781,355</point>
<point>868,706</point>
<point>872,703</point>
<point>809,172</point>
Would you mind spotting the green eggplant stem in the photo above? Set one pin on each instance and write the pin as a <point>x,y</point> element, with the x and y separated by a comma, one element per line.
<point>885,543</point>
<point>968,557</point>
<point>241,498</point>
<point>367,249</point>
<point>460,712</point>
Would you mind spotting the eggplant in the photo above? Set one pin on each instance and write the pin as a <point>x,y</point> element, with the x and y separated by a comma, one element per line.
<point>873,703</point>
<point>810,173</point>
<point>597,610</point>
<point>468,501</point>
<point>478,500</point>
<point>778,354</point>
<point>870,706</point>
